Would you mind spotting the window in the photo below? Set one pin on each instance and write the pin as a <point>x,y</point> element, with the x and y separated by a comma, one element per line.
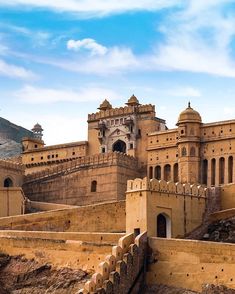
<point>52,156</point>
<point>73,153</point>
<point>103,150</point>
<point>131,145</point>
<point>8,183</point>
<point>48,156</point>
<point>32,159</point>
<point>35,146</point>
<point>192,151</point>
<point>184,151</point>
<point>93,186</point>
<point>41,157</point>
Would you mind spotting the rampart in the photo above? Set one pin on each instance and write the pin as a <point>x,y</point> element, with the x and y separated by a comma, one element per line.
<point>74,254</point>
<point>9,165</point>
<point>122,270</point>
<point>120,112</point>
<point>12,201</point>
<point>112,158</point>
<point>182,206</point>
<point>93,179</point>
<point>166,187</point>
<point>191,263</point>
<point>107,217</point>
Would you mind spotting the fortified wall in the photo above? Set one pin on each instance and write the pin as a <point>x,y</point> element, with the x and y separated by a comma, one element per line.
<point>83,181</point>
<point>164,209</point>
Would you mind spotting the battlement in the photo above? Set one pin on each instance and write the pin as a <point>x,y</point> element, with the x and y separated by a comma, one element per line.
<point>166,187</point>
<point>120,111</point>
<point>5,164</point>
<point>112,158</point>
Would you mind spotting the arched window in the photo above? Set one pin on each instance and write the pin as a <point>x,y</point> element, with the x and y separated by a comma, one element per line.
<point>230,169</point>
<point>213,170</point>
<point>158,172</point>
<point>192,151</point>
<point>184,151</point>
<point>221,170</point>
<point>8,183</point>
<point>176,172</point>
<point>204,171</point>
<point>151,172</point>
<point>119,146</point>
<point>163,226</point>
<point>167,172</point>
<point>93,186</point>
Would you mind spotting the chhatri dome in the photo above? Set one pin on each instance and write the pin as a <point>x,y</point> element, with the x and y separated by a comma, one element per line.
<point>105,105</point>
<point>189,115</point>
<point>132,101</point>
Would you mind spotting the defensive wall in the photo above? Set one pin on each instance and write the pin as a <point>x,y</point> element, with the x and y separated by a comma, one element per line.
<point>12,201</point>
<point>120,112</point>
<point>12,171</point>
<point>122,270</point>
<point>58,252</point>
<point>87,180</point>
<point>105,217</point>
<point>191,263</point>
<point>182,205</point>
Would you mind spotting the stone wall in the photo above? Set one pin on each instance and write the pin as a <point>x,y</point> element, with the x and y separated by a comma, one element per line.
<point>71,183</point>
<point>13,171</point>
<point>182,205</point>
<point>120,272</point>
<point>12,201</point>
<point>74,254</point>
<point>107,217</point>
<point>190,264</point>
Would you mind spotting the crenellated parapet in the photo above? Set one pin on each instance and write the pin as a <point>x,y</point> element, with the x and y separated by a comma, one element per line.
<point>112,158</point>
<point>113,112</point>
<point>166,187</point>
<point>10,165</point>
<point>119,270</point>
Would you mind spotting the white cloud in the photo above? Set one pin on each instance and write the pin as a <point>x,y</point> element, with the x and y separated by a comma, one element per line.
<point>37,95</point>
<point>90,8</point>
<point>14,71</point>
<point>89,44</point>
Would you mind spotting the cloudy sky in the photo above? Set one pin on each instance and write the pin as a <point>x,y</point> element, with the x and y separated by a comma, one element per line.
<point>60,59</point>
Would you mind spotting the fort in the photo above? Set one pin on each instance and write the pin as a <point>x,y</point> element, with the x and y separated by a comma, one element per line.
<point>133,206</point>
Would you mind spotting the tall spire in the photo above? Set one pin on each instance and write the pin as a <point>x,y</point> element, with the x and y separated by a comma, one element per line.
<point>189,104</point>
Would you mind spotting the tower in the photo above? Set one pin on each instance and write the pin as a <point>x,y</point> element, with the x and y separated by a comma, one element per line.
<point>37,130</point>
<point>189,129</point>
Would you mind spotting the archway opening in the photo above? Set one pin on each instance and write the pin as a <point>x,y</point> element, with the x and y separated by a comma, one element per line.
<point>93,186</point>
<point>163,226</point>
<point>221,170</point>
<point>213,171</point>
<point>151,172</point>
<point>119,146</point>
<point>158,172</point>
<point>204,171</point>
<point>8,183</point>
<point>176,172</point>
<point>167,172</point>
<point>230,169</point>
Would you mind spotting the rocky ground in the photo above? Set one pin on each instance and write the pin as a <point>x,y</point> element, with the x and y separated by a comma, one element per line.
<point>221,231</point>
<point>21,276</point>
<point>207,289</point>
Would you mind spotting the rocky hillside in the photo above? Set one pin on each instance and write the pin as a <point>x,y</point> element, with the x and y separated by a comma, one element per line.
<point>21,276</point>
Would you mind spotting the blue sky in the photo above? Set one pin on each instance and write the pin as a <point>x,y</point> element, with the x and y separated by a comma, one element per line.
<point>60,59</point>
